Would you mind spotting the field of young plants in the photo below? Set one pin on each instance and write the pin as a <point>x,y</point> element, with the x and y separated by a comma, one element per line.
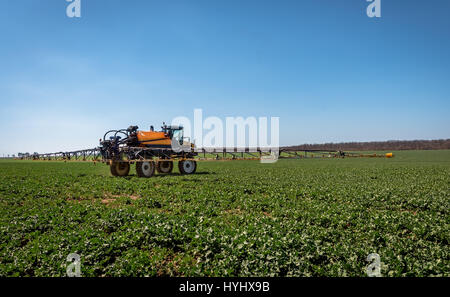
<point>309,217</point>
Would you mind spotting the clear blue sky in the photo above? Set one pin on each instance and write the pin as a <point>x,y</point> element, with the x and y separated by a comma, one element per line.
<point>327,70</point>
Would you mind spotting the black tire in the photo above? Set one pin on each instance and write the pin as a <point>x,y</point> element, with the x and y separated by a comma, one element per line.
<point>187,167</point>
<point>119,168</point>
<point>145,169</point>
<point>164,167</point>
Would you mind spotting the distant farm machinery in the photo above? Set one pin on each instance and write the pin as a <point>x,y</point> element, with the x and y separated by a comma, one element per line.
<point>157,150</point>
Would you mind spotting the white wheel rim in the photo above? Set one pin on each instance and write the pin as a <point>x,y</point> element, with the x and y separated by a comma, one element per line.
<point>147,168</point>
<point>121,168</point>
<point>188,166</point>
<point>165,166</point>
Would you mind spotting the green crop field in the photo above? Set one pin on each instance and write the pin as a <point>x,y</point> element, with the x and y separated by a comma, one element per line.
<point>309,217</point>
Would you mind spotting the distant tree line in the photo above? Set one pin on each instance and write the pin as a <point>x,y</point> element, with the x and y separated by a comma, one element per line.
<point>394,145</point>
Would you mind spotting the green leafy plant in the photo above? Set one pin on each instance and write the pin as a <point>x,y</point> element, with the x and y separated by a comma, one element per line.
<point>309,217</point>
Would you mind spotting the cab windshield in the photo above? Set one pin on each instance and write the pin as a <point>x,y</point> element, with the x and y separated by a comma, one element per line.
<point>178,135</point>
